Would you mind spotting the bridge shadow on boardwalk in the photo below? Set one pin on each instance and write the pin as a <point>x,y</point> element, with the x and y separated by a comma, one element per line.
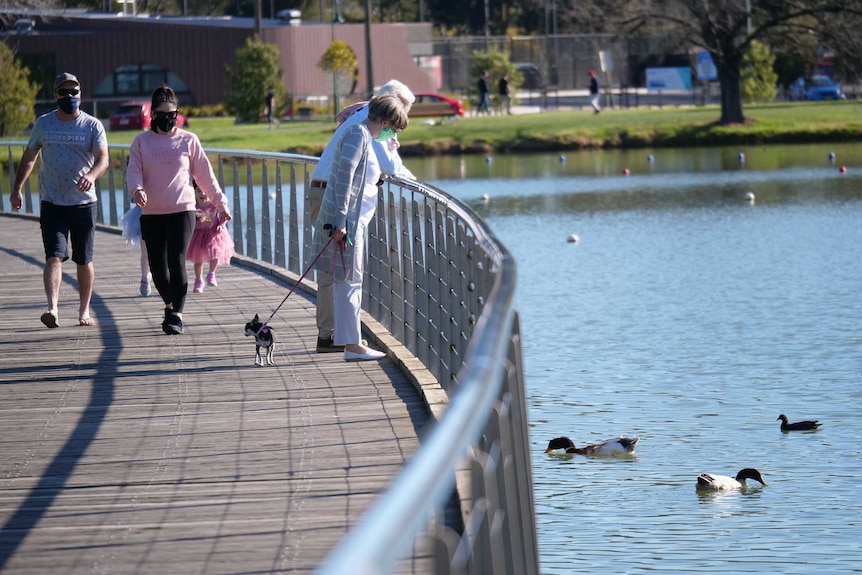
<point>124,450</point>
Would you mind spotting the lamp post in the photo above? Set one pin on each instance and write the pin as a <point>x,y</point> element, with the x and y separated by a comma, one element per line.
<point>487,25</point>
<point>368,68</point>
<point>335,18</point>
<point>748,15</point>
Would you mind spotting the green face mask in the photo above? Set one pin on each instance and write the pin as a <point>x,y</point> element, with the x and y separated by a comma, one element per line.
<point>385,134</point>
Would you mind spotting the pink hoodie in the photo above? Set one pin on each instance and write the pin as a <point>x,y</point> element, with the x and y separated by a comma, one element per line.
<point>164,164</point>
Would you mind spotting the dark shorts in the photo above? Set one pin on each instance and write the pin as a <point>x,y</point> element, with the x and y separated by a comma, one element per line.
<point>62,223</point>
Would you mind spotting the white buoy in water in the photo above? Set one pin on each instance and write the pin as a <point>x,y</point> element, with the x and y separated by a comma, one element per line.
<point>749,197</point>
<point>573,239</point>
<point>649,158</point>
<point>562,158</point>
<point>488,159</point>
<point>486,198</point>
<point>831,157</point>
<point>741,157</point>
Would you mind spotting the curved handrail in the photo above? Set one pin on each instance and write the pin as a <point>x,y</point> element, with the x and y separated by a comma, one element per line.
<point>443,286</point>
<point>391,524</point>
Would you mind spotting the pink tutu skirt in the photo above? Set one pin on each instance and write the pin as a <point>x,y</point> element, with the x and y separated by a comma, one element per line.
<point>210,244</point>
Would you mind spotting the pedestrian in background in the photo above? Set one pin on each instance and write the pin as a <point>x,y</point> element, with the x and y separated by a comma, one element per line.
<point>504,95</point>
<point>484,94</point>
<point>389,160</point>
<point>270,107</point>
<point>74,154</point>
<point>162,163</point>
<point>594,93</point>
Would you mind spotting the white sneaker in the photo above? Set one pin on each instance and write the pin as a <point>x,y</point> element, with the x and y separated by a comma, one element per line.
<point>370,354</point>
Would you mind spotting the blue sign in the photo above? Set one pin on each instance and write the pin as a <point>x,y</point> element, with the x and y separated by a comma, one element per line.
<point>664,79</point>
<point>705,66</point>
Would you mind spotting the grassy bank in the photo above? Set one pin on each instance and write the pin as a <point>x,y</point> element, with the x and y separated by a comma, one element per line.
<point>562,130</point>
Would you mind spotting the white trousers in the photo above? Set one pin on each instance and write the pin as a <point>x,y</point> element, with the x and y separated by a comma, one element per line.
<point>347,295</point>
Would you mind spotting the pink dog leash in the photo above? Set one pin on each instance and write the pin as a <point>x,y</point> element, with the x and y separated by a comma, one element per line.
<point>305,273</point>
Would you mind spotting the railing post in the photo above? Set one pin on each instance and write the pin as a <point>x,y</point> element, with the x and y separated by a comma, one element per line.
<point>265,227</point>
<point>250,225</point>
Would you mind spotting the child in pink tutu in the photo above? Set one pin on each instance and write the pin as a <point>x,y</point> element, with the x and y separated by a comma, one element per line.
<point>211,242</point>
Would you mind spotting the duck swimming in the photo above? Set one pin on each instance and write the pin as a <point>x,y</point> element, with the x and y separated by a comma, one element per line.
<point>798,425</point>
<point>618,446</point>
<point>710,482</point>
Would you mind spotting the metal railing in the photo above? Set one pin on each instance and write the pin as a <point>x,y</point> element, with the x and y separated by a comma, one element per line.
<point>443,286</point>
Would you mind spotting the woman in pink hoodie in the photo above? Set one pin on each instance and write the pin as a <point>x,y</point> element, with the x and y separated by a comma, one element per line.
<point>162,163</point>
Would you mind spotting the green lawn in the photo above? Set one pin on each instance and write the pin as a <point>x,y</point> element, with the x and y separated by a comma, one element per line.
<point>559,130</point>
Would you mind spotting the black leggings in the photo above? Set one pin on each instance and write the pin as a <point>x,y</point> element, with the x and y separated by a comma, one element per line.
<point>167,237</point>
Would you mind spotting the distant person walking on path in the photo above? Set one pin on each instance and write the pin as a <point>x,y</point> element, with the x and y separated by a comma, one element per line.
<point>74,154</point>
<point>162,163</point>
<point>484,95</point>
<point>270,107</point>
<point>594,93</point>
<point>505,97</point>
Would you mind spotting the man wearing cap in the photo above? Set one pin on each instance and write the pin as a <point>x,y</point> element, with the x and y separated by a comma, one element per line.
<point>74,154</point>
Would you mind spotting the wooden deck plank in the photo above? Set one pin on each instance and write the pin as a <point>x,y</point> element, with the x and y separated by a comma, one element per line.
<point>123,450</point>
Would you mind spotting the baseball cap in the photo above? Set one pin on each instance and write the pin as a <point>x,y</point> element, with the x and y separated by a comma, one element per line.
<point>65,77</point>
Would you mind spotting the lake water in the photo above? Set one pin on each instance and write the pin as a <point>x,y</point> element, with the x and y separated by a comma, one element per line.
<point>691,318</point>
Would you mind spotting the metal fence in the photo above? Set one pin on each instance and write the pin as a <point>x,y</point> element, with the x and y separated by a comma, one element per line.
<point>442,285</point>
<point>556,62</point>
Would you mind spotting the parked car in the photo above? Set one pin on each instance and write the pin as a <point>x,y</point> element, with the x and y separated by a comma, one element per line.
<point>429,105</point>
<point>532,77</point>
<point>135,115</point>
<point>823,88</point>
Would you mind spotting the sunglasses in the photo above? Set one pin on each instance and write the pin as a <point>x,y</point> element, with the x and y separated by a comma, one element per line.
<point>68,92</point>
<point>169,115</point>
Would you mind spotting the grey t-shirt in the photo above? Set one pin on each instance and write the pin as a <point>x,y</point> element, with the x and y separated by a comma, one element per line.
<point>67,154</point>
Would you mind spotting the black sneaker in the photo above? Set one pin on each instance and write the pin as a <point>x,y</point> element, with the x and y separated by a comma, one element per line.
<point>325,345</point>
<point>168,314</point>
<point>173,325</point>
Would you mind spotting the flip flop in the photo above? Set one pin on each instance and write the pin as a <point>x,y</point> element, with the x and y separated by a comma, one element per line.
<point>49,319</point>
<point>86,321</point>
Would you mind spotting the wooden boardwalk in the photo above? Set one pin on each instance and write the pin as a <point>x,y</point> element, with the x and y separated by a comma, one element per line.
<point>123,450</point>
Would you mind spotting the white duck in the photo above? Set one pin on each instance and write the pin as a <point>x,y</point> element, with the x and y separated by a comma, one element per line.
<point>710,482</point>
<point>618,446</point>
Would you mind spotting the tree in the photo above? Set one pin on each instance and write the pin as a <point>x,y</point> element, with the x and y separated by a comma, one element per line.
<point>257,68</point>
<point>758,76</point>
<point>18,96</point>
<point>340,61</point>
<point>726,29</point>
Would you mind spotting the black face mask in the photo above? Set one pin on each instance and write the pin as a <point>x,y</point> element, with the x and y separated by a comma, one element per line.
<point>164,123</point>
<point>69,104</point>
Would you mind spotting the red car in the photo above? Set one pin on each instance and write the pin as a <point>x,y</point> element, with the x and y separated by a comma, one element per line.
<point>430,105</point>
<point>136,116</point>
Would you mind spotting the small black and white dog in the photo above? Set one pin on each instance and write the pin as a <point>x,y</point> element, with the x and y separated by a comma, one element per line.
<point>264,338</point>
